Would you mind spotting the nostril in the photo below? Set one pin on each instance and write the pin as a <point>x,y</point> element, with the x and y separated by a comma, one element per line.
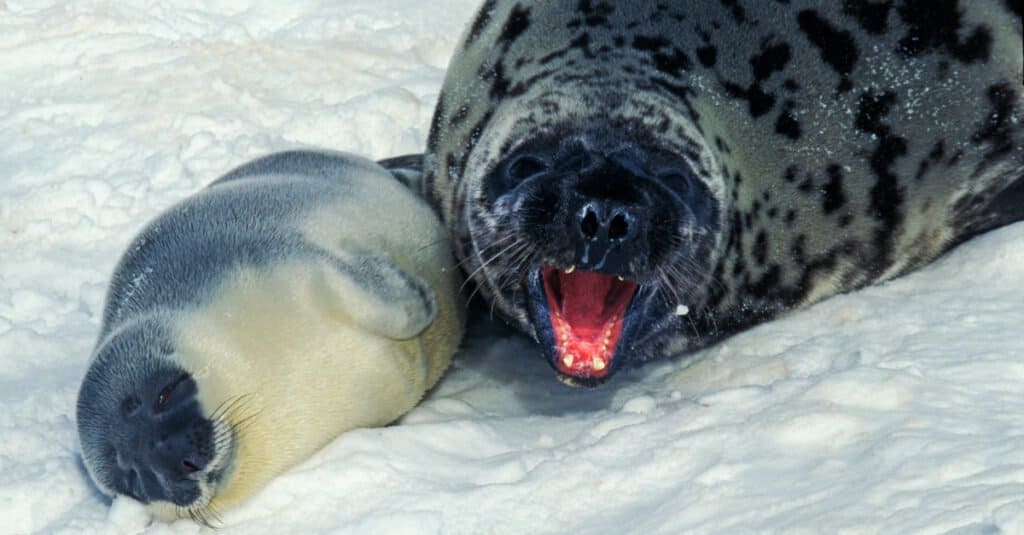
<point>618,228</point>
<point>589,224</point>
<point>189,467</point>
<point>130,405</point>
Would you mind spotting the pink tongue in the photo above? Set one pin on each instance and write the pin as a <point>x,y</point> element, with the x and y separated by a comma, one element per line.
<point>584,295</point>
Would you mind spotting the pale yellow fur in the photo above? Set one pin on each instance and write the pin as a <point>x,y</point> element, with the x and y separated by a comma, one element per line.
<point>280,337</point>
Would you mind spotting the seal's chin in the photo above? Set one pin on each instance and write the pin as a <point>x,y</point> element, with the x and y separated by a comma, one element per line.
<point>585,313</point>
<point>207,482</point>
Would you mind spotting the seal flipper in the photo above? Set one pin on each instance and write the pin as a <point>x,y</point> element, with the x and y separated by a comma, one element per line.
<point>379,296</point>
<point>1008,206</point>
<point>408,169</point>
<point>1005,208</point>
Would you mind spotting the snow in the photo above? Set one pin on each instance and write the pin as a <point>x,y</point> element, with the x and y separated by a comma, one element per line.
<point>896,409</point>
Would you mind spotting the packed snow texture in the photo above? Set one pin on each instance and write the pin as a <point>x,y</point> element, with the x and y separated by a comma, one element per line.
<point>895,409</point>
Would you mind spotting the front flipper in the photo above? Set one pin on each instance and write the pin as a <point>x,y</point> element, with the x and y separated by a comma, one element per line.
<point>1005,208</point>
<point>379,296</point>
<point>408,169</point>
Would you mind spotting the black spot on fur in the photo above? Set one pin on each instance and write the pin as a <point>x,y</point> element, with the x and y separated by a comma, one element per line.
<point>772,58</point>
<point>517,23</point>
<point>786,124</point>
<point>582,42</point>
<point>758,101</point>
<point>602,9</point>
<point>459,116</point>
<point>499,84</point>
<point>933,157</point>
<point>672,63</point>
<point>996,128</point>
<point>707,55</point>
<point>483,19</point>
<point>790,174</point>
<point>873,17</point>
<point>836,46</point>
<point>936,25</point>
<point>685,94</point>
<point>736,10</point>
<point>649,44</point>
<point>1016,6</point>
<point>761,248</point>
<point>871,108</point>
<point>769,283</point>
<point>739,267</point>
<point>833,196</point>
<point>436,125</point>
<point>886,195</point>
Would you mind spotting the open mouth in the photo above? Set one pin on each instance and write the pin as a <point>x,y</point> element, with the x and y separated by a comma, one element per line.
<point>587,312</point>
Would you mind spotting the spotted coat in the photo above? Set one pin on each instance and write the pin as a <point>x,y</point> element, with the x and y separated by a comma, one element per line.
<point>846,142</point>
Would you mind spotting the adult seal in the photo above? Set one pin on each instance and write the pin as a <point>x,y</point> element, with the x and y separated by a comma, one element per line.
<point>629,180</point>
<point>301,295</point>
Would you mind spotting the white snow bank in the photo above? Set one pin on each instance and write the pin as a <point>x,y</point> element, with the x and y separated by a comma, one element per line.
<point>896,409</point>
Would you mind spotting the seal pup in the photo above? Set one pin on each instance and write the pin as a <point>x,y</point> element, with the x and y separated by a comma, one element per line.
<point>299,296</point>
<point>630,180</point>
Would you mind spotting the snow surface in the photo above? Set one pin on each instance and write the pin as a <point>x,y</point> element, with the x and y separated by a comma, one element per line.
<point>896,409</point>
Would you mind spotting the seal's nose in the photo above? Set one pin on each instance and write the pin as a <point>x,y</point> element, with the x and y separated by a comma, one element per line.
<point>607,221</point>
<point>611,217</point>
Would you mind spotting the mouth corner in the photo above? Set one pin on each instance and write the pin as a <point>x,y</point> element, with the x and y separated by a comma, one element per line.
<point>584,314</point>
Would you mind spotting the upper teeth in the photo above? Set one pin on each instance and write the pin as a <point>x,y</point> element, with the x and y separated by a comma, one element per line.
<point>619,277</point>
<point>682,310</point>
<point>570,269</point>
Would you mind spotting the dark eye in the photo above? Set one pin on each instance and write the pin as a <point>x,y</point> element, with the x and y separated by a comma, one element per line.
<point>165,393</point>
<point>677,182</point>
<point>189,467</point>
<point>525,166</point>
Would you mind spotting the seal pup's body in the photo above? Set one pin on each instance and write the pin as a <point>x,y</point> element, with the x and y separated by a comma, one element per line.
<point>299,296</point>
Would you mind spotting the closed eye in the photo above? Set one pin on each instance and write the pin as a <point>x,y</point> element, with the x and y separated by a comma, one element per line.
<point>677,182</point>
<point>525,166</point>
<point>165,393</point>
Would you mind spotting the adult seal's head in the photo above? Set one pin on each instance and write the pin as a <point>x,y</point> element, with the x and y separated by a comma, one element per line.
<point>628,180</point>
<point>302,295</point>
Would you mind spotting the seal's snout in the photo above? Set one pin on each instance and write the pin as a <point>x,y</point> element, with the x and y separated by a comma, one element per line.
<point>607,232</point>
<point>163,440</point>
<point>608,218</point>
<point>601,232</point>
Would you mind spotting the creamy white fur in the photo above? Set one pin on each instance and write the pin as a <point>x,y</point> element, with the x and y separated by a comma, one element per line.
<point>308,347</point>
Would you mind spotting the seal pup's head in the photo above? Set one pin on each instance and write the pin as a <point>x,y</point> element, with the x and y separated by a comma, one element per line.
<point>143,429</point>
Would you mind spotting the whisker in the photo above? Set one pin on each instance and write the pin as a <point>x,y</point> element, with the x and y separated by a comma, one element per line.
<point>486,263</point>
